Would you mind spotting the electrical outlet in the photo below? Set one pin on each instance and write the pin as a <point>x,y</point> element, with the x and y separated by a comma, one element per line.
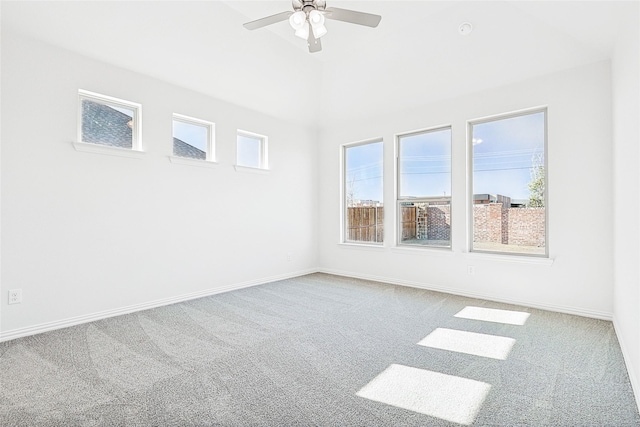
<point>289,256</point>
<point>15,296</point>
<point>471,269</point>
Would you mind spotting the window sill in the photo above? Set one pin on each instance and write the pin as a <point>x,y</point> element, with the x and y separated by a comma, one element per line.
<point>108,150</point>
<point>362,246</point>
<point>422,250</point>
<point>249,169</point>
<point>193,162</point>
<point>519,259</point>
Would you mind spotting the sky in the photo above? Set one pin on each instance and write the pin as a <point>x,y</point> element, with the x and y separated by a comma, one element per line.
<point>191,134</point>
<point>503,161</point>
<point>425,164</point>
<point>127,111</point>
<point>503,155</point>
<point>248,151</point>
<point>364,171</point>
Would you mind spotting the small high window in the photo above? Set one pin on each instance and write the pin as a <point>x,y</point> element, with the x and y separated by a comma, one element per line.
<point>193,138</point>
<point>109,121</point>
<point>252,150</point>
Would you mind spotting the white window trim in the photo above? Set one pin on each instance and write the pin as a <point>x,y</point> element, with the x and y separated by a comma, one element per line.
<point>211,140</point>
<point>264,151</point>
<point>136,131</point>
<point>250,169</point>
<point>192,162</point>
<point>515,256</point>
<point>88,147</point>
<point>364,246</point>
<point>399,199</point>
<point>519,258</point>
<point>343,193</point>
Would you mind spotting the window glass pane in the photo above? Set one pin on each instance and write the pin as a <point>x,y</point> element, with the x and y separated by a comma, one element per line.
<point>107,124</point>
<point>190,140</point>
<point>363,193</point>
<point>249,151</point>
<point>426,223</point>
<point>509,200</point>
<point>424,188</point>
<point>425,164</point>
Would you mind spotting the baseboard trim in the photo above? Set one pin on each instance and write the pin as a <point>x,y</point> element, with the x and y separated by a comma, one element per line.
<point>461,292</point>
<point>633,375</point>
<point>72,321</point>
<point>77,320</point>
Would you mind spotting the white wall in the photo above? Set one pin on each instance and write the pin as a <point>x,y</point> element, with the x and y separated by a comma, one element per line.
<point>86,233</point>
<point>626,133</point>
<point>580,199</point>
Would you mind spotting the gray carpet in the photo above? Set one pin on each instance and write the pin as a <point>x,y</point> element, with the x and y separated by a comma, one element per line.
<point>321,350</point>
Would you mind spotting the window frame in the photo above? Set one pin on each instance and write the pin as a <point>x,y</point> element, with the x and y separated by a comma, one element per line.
<point>426,199</point>
<point>210,154</point>
<point>470,193</point>
<point>136,128</point>
<point>343,194</point>
<point>263,161</point>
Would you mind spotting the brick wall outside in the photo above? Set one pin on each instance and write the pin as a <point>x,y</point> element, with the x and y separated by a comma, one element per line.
<point>496,223</point>
<point>493,223</point>
<point>487,223</point>
<point>527,226</point>
<point>439,222</point>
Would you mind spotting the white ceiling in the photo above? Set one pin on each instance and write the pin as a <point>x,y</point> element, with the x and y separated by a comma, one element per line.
<point>414,57</point>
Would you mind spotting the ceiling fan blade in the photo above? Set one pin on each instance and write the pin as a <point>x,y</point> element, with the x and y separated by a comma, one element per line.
<point>263,22</point>
<point>352,16</point>
<point>314,44</point>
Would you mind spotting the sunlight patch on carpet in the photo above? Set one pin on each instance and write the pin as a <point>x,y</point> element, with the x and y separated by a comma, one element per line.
<point>492,346</point>
<point>430,393</point>
<point>494,315</point>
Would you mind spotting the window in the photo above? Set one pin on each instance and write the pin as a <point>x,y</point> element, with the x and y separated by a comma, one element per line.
<point>424,188</point>
<point>363,202</point>
<point>252,150</point>
<point>193,138</point>
<point>109,121</point>
<point>509,178</point>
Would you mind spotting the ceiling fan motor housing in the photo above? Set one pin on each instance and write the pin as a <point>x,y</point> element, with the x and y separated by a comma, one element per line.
<point>308,5</point>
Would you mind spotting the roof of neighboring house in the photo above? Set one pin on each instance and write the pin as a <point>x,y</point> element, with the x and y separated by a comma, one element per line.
<point>104,125</point>
<point>183,149</point>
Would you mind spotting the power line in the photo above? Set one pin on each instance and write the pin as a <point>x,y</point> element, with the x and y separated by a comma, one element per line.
<point>502,169</point>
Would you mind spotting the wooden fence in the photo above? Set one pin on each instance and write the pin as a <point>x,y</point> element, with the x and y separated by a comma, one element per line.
<point>409,223</point>
<point>365,224</point>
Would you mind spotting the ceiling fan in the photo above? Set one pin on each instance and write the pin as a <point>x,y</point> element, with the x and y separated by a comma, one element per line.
<point>307,19</point>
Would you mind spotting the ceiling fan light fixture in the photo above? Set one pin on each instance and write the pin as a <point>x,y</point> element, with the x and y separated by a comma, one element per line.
<point>319,31</point>
<point>297,20</point>
<point>317,24</point>
<point>303,32</point>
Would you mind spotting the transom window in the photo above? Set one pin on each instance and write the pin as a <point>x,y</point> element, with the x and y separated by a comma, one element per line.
<point>252,150</point>
<point>509,178</point>
<point>193,138</point>
<point>424,188</point>
<point>109,121</point>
